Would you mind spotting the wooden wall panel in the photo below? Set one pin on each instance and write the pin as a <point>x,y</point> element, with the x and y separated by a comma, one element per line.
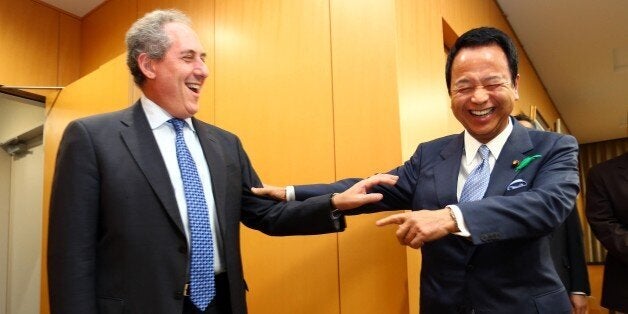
<point>28,33</point>
<point>103,31</point>
<point>105,90</point>
<point>423,100</point>
<point>463,15</point>
<point>273,89</point>
<point>366,122</point>
<point>596,278</point>
<point>69,50</point>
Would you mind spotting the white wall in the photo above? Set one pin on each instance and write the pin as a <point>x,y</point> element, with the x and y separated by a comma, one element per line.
<point>21,193</point>
<point>18,115</point>
<point>5,191</point>
<point>25,224</point>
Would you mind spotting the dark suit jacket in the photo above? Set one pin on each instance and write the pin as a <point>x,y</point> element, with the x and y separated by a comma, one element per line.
<point>116,240</point>
<point>607,212</point>
<point>567,252</point>
<point>505,267</point>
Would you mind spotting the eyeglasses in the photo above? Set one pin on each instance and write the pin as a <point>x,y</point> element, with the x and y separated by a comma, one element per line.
<point>466,90</point>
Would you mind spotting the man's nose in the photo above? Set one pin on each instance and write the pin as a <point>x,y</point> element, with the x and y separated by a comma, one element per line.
<point>480,95</point>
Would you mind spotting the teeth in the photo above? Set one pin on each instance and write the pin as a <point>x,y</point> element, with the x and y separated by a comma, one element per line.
<point>481,112</point>
<point>193,86</point>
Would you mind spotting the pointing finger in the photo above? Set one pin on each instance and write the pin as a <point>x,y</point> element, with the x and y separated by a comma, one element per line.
<point>397,219</point>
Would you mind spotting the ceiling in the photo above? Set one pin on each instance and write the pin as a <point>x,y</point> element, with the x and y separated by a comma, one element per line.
<point>580,50</point>
<point>76,7</point>
<point>578,47</point>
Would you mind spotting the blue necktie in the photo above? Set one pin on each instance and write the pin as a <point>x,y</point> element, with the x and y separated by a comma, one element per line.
<point>202,288</point>
<point>477,182</point>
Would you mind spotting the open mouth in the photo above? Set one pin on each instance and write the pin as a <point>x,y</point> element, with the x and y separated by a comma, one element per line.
<point>482,113</point>
<point>196,88</point>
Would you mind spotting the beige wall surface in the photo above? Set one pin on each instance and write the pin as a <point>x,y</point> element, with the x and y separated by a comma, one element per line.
<point>5,199</point>
<point>18,116</point>
<point>25,220</point>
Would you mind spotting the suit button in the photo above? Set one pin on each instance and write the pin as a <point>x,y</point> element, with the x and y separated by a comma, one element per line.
<point>470,267</point>
<point>183,249</point>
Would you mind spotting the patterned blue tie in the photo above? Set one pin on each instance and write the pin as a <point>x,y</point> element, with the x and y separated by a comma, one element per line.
<point>202,288</point>
<point>477,182</point>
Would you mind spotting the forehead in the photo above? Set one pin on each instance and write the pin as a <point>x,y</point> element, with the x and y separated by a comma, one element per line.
<point>182,37</point>
<point>478,60</point>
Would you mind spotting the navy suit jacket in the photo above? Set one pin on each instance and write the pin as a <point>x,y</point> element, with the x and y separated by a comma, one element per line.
<point>505,266</point>
<point>116,241</point>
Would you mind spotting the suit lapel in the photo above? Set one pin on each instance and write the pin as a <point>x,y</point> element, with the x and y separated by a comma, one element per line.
<point>214,156</point>
<point>140,141</point>
<point>515,148</point>
<point>446,172</point>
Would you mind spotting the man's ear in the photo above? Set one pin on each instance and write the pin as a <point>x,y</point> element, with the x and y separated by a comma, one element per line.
<point>515,86</point>
<point>146,65</point>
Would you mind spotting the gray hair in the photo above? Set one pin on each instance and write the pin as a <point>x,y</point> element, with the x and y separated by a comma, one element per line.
<point>147,35</point>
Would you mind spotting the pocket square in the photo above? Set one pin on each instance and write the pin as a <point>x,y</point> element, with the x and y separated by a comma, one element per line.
<point>516,184</point>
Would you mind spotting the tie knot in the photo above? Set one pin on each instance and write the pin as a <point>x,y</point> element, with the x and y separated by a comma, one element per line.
<point>484,151</point>
<point>177,124</point>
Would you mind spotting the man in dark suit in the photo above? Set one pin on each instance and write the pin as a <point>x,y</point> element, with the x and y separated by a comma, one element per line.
<point>146,202</point>
<point>607,213</point>
<point>567,249</point>
<point>485,201</point>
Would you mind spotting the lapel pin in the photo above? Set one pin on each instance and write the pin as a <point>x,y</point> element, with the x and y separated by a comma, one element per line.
<point>525,162</point>
<point>515,163</point>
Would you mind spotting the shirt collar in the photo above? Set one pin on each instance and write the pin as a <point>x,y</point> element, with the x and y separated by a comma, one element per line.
<point>157,116</point>
<point>471,145</point>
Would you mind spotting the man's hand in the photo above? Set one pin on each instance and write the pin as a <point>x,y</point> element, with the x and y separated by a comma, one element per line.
<point>271,191</point>
<point>418,227</point>
<point>359,195</point>
<point>579,303</point>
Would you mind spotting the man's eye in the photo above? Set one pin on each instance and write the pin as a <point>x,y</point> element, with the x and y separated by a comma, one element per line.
<point>464,90</point>
<point>492,87</point>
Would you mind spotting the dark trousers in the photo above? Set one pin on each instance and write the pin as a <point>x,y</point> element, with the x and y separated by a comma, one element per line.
<point>221,304</point>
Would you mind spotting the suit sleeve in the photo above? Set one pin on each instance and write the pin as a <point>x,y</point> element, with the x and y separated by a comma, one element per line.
<point>532,213</point>
<point>313,216</point>
<point>602,216</point>
<point>575,249</point>
<point>395,197</point>
<point>73,225</point>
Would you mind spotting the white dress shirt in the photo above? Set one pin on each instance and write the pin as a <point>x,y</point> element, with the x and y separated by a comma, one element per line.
<point>165,136</point>
<point>471,159</point>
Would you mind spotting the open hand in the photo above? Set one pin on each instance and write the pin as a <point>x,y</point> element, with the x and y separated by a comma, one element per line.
<point>359,195</point>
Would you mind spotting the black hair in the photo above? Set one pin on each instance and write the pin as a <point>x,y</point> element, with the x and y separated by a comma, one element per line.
<point>484,36</point>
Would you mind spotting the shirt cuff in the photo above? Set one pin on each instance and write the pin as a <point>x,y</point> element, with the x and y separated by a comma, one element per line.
<point>578,293</point>
<point>464,232</point>
<point>290,195</point>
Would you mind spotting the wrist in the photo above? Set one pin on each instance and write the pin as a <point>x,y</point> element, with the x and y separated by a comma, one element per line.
<point>335,212</point>
<point>331,201</point>
<point>452,216</point>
